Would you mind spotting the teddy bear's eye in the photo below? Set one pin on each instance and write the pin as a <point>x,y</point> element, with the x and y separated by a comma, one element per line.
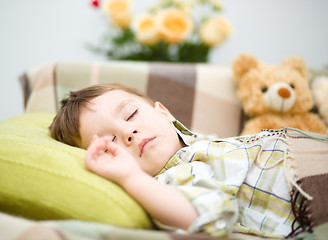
<point>292,86</point>
<point>264,89</point>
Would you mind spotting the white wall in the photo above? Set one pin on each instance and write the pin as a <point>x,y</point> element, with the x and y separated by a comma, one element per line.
<point>34,32</point>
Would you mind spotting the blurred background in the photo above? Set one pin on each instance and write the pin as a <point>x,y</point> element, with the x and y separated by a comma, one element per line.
<point>36,32</point>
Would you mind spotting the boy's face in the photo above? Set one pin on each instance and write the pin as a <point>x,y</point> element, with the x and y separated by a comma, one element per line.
<point>145,131</point>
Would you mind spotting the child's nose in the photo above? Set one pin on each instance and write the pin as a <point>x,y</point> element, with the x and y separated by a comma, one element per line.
<point>129,138</point>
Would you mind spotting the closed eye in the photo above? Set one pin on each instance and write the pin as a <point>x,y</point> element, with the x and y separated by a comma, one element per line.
<point>132,115</point>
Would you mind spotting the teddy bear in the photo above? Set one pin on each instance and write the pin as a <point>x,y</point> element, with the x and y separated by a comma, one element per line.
<point>319,88</point>
<point>275,96</point>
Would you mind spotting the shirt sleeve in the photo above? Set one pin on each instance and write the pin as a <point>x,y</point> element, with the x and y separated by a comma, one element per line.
<point>217,210</point>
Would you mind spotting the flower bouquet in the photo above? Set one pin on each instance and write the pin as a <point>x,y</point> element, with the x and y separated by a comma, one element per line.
<point>172,31</point>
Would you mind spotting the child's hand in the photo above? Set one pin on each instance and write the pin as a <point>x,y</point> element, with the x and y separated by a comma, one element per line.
<point>110,161</point>
<point>161,201</point>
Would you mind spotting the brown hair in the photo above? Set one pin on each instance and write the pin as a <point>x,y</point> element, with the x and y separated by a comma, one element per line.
<point>66,124</point>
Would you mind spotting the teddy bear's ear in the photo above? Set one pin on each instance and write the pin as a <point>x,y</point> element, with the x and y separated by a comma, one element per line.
<point>243,64</point>
<point>298,64</point>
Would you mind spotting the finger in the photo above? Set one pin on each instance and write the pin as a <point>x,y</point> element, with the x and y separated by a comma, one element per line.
<point>113,148</point>
<point>94,137</point>
<point>97,140</point>
<point>95,148</point>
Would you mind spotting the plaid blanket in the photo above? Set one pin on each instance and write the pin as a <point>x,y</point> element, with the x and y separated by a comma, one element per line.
<point>311,169</point>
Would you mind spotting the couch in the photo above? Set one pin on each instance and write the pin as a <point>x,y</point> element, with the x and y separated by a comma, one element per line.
<point>44,186</point>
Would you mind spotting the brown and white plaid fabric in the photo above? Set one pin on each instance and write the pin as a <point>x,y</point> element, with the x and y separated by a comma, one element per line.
<point>311,172</point>
<point>202,96</point>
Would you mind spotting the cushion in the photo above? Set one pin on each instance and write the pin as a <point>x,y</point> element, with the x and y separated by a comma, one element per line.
<point>201,96</point>
<point>42,178</point>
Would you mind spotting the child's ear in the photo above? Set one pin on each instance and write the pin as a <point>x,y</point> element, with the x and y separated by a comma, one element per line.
<point>163,110</point>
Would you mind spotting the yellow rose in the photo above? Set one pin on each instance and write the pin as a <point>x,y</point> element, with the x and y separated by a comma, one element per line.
<point>175,25</point>
<point>215,31</point>
<point>119,12</point>
<point>147,30</point>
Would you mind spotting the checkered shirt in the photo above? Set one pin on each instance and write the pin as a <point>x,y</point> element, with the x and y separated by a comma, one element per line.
<point>236,184</point>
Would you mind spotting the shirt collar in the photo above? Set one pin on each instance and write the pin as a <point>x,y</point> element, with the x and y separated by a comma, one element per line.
<point>187,136</point>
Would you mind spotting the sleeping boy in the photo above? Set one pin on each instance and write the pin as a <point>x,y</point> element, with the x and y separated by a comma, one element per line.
<point>185,181</point>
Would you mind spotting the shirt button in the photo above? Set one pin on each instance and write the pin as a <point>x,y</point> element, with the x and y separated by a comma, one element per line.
<point>220,224</point>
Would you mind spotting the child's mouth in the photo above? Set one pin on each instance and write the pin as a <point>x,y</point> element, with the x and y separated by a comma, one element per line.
<point>143,144</point>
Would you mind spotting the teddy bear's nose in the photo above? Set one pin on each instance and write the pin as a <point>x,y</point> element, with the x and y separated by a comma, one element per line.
<point>284,92</point>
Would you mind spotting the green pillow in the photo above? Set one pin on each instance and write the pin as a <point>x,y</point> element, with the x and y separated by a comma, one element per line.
<point>41,178</point>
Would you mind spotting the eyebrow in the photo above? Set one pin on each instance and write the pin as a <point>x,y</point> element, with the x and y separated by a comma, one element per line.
<point>123,104</point>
